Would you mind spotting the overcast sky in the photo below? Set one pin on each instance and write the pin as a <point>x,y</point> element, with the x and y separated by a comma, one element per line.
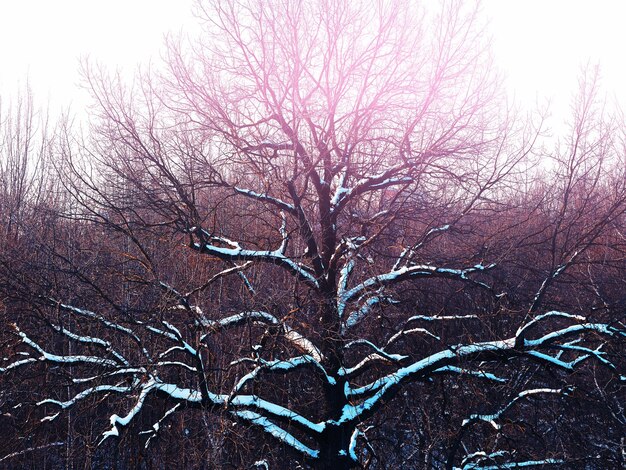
<point>44,40</point>
<point>540,45</point>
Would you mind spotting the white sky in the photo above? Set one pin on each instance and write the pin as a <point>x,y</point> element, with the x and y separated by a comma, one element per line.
<point>542,45</point>
<point>44,40</point>
<point>539,44</point>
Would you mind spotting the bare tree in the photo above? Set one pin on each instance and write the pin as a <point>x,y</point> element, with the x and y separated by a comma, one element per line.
<point>24,158</point>
<point>283,232</point>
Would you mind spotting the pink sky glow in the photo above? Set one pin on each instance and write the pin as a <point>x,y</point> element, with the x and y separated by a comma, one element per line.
<point>540,45</point>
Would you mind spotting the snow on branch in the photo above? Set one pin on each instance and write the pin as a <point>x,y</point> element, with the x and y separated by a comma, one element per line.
<point>344,276</point>
<point>385,179</point>
<point>521,332</point>
<point>367,361</point>
<point>16,364</point>
<point>157,426</point>
<point>250,407</point>
<point>31,449</point>
<point>404,332</point>
<point>82,395</point>
<point>364,399</point>
<point>491,418</point>
<point>434,318</point>
<point>597,353</point>
<point>238,319</point>
<point>463,371</point>
<point>397,275</point>
<point>378,390</point>
<point>89,314</point>
<point>283,366</point>
<point>276,431</point>
<point>283,233</point>
<point>482,460</point>
<point>236,253</point>
<point>352,446</point>
<point>116,420</point>
<point>239,405</point>
<point>153,386</point>
<point>175,335</point>
<point>266,198</point>
<point>295,338</point>
<point>46,356</point>
<point>366,308</point>
<point>183,394</point>
<point>232,402</point>
<point>97,317</point>
<point>601,328</point>
<point>379,355</point>
<point>501,466</point>
<point>556,361</point>
<point>411,272</point>
<point>272,409</point>
<point>124,371</point>
<point>92,340</point>
<point>481,456</point>
<point>408,253</point>
<point>382,352</point>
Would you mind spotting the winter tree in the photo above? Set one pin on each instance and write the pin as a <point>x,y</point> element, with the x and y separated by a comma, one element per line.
<point>322,233</point>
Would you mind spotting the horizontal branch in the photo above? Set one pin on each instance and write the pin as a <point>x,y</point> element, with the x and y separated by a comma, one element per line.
<point>502,466</point>
<point>295,338</point>
<point>282,366</point>
<point>492,417</point>
<point>412,272</point>
<point>276,431</point>
<point>266,198</point>
<point>265,256</point>
<point>386,386</point>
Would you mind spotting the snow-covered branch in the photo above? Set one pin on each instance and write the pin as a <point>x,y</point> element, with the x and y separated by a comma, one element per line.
<point>480,465</point>
<point>156,427</point>
<point>464,371</point>
<point>236,253</point>
<point>385,179</point>
<point>377,391</point>
<point>66,359</point>
<point>282,205</point>
<point>492,417</point>
<point>395,276</point>
<point>16,364</point>
<point>294,337</point>
<point>435,318</point>
<point>92,340</point>
<point>282,366</point>
<point>82,395</point>
<point>407,254</point>
<point>366,308</point>
<point>111,325</point>
<point>274,418</point>
<point>31,449</point>
<point>547,282</point>
<point>279,433</point>
<point>522,330</point>
<point>116,420</point>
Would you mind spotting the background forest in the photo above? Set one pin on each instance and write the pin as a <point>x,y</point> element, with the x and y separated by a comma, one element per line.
<point>319,237</point>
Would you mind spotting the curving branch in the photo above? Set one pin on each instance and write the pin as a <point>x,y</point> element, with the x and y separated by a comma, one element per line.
<point>236,253</point>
